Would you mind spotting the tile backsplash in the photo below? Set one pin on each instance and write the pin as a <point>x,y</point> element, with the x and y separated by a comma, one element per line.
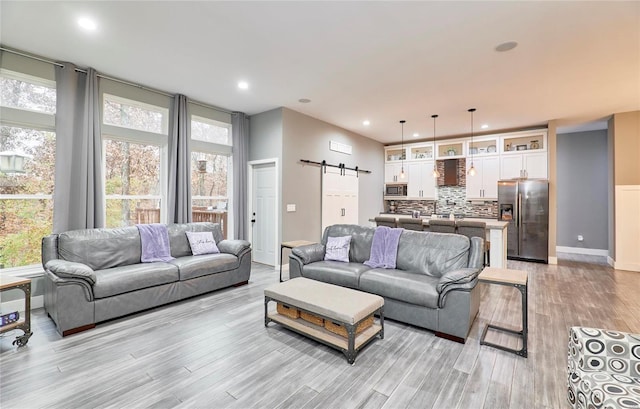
<point>451,199</point>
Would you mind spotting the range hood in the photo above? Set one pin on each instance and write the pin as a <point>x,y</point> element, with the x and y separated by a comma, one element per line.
<point>450,175</point>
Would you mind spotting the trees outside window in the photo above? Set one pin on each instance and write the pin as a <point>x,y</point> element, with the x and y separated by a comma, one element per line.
<point>26,202</point>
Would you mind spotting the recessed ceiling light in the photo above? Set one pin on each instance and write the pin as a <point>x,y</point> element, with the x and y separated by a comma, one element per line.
<point>304,100</point>
<point>243,85</point>
<point>87,23</point>
<point>485,126</point>
<point>509,45</point>
<point>366,123</point>
<point>416,134</point>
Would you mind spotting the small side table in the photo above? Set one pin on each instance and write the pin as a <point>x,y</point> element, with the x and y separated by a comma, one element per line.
<point>518,279</point>
<point>9,283</point>
<point>291,245</point>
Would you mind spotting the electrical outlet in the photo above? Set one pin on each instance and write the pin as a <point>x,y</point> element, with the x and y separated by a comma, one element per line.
<point>580,238</point>
<point>291,208</point>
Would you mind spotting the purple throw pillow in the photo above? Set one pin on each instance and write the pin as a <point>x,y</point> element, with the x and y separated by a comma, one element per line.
<point>337,249</point>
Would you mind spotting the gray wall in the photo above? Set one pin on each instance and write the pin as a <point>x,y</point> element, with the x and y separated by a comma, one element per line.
<point>265,135</point>
<point>583,189</point>
<point>308,138</point>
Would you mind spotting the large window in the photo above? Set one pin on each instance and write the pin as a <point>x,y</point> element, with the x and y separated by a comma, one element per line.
<point>132,183</point>
<point>210,165</point>
<point>26,135</point>
<point>134,135</point>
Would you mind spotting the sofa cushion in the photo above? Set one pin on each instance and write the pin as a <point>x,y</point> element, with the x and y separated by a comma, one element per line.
<point>178,239</point>
<point>418,289</point>
<point>198,266</point>
<point>101,249</point>
<point>361,239</point>
<point>335,272</point>
<point>119,280</point>
<point>432,254</point>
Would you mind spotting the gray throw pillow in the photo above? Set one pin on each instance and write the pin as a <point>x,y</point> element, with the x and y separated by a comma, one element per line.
<point>337,249</point>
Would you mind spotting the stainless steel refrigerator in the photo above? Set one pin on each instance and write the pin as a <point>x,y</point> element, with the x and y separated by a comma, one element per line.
<point>524,203</point>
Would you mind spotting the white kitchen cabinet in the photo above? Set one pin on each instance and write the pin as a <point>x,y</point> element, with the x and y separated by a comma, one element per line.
<point>420,181</point>
<point>484,185</point>
<point>525,165</point>
<point>392,173</point>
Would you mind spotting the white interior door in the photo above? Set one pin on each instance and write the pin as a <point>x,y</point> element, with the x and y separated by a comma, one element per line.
<point>262,220</point>
<point>339,197</point>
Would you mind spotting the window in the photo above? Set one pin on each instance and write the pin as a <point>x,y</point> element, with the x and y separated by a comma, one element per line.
<point>209,130</point>
<point>210,170</point>
<point>132,183</point>
<point>25,92</point>
<point>27,130</point>
<point>131,114</point>
<point>26,205</point>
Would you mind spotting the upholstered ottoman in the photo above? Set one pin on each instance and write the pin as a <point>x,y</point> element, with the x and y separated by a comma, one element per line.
<point>603,369</point>
<point>338,311</point>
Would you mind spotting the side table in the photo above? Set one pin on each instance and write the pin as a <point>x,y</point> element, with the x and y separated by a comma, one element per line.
<point>9,283</point>
<point>291,245</point>
<point>515,278</point>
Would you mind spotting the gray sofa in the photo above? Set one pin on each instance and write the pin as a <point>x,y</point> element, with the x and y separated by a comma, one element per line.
<point>433,285</point>
<point>95,275</point>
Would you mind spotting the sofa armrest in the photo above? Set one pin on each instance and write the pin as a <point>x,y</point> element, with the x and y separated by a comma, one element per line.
<point>310,253</point>
<point>235,247</point>
<point>461,276</point>
<point>71,269</point>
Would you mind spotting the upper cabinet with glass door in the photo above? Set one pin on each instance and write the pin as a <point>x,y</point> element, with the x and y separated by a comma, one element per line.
<point>450,149</point>
<point>421,151</point>
<point>395,154</point>
<point>523,142</point>
<point>483,146</point>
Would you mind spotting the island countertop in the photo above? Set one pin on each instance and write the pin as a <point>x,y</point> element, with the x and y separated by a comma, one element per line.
<point>492,224</point>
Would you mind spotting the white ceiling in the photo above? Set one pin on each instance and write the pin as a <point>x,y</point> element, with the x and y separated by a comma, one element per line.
<point>577,62</point>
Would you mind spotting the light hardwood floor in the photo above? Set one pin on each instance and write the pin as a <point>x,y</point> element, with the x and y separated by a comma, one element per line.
<point>213,351</point>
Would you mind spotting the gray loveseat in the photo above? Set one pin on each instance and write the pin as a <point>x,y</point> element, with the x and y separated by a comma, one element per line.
<point>433,285</point>
<point>95,275</point>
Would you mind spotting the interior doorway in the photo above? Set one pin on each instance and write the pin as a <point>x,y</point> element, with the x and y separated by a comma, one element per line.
<point>263,211</point>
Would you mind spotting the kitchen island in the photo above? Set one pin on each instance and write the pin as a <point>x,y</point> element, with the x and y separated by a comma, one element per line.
<point>496,234</point>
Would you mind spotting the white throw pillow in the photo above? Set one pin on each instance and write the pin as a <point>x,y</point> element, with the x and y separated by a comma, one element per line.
<point>337,249</point>
<point>202,243</point>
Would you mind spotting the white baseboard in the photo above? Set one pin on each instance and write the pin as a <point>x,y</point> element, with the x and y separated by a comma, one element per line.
<point>610,261</point>
<point>626,266</point>
<point>18,305</point>
<point>552,260</point>
<point>582,250</point>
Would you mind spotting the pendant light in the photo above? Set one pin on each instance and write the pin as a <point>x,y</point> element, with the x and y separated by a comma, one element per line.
<point>402,155</point>
<point>435,173</point>
<point>472,170</point>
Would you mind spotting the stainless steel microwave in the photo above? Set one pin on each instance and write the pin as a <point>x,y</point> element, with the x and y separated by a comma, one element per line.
<point>395,189</point>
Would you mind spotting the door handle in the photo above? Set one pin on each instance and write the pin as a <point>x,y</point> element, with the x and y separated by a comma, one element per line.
<point>343,211</point>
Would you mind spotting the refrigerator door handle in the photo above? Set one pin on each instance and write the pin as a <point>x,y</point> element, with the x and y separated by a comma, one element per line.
<point>519,223</point>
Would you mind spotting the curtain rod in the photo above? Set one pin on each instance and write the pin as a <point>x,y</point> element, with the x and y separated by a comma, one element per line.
<point>166,94</point>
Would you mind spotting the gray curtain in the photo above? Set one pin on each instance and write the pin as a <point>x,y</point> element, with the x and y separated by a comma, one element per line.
<point>179,192</point>
<point>240,137</point>
<point>78,196</point>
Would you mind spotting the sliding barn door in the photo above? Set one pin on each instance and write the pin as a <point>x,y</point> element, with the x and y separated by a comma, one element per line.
<point>339,197</point>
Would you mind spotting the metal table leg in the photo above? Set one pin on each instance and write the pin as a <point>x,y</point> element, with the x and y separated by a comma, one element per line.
<point>522,333</point>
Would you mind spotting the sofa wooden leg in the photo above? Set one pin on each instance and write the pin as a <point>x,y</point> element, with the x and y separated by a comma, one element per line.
<point>78,329</point>
<point>241,284</point>
<point>450,337</point>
